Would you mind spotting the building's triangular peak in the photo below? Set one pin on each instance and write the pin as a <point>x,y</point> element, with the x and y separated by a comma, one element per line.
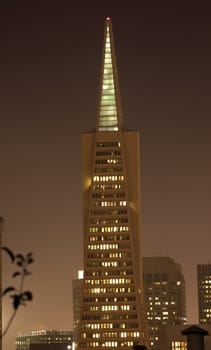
<point>109,109</point>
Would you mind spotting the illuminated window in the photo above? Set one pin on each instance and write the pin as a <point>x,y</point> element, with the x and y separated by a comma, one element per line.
<point>177,345</point>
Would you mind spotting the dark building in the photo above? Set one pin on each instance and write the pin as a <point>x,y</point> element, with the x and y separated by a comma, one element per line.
<point>49,347</point>
<point>204,293</point>
<point>164,291</point>
<point>44,339</point>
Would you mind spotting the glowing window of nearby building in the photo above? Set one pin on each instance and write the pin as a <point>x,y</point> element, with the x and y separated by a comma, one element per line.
<point>109,344</point>
<point>80,274</point>
<point>179,345</point>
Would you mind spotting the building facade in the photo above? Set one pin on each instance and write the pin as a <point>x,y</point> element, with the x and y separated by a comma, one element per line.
<point>164,290</point>
<point>204,293</point>
<point>44,339</point>
<point>77,285</point>
<point>112,312</point>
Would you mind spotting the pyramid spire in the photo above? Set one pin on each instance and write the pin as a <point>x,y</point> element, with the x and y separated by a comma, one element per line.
<point>109,110</point>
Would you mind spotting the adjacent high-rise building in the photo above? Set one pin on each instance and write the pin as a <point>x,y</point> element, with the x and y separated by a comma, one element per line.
<point>164,290</point>
<point>112,313</point>
<point>204,292</point>
<point>44,339</point>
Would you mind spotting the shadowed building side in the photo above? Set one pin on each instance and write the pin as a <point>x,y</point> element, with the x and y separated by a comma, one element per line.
<point>204,293</point>
<point>77,285</point>
<point>43,340</point>
<point>164,290</point>
<point>112,313</point>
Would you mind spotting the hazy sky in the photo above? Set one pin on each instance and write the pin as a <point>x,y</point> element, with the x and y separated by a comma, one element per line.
<point>50,65</point>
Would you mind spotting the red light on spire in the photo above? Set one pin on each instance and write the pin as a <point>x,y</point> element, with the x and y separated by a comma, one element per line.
<point>107,18</point>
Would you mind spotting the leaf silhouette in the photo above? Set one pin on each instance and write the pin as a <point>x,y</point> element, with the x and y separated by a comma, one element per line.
<point>10,253</point>
<point>20,256</point>
<point>29,258</point>
<point>16,301</point>
<point>16,294</point>
<point>26,296</point>
<point>20,259</point>
<point>8,290</point>
<point>17,273</point>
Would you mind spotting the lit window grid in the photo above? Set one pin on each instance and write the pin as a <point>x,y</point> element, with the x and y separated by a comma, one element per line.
<point>103,179</point>
<point>204,293</point>
<point>161,309</point>
<point>96,229</point>
<point>106,203</point>
<point>113,285</point>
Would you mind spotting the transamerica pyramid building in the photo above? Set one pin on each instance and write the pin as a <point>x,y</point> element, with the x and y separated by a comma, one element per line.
<point>112,313</point>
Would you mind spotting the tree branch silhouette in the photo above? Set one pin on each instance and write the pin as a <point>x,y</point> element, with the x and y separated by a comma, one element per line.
<point>18,295</point>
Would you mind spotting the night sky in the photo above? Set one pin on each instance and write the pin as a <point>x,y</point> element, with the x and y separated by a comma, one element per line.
<point>49,80</point>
